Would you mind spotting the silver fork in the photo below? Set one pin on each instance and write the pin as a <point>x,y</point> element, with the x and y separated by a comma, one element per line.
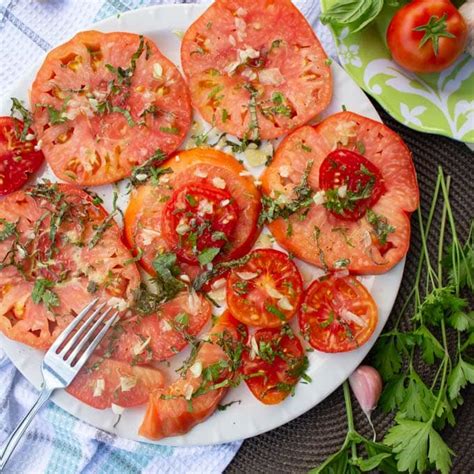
<point>62,362</point>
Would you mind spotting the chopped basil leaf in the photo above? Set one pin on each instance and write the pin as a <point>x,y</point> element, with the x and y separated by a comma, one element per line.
<point>207,255</point>
<point>42,293</point>
<point>380,225</point>
<point>25,114</point>
<point>7,229</point>
<point>274,310</point>
<point>170,130</point>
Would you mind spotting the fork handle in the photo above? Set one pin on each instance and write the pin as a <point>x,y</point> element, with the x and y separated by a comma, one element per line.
<point>12,441</point>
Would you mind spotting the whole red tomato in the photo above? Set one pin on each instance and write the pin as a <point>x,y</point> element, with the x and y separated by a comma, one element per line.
<point>427,35</point>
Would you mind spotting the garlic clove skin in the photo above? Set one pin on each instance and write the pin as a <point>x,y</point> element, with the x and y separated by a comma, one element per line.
<point>366,384</point>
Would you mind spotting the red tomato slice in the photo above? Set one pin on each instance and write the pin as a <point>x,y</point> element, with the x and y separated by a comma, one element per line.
<point>198,217</point>
<point>18,159</point>
<point>375,242</point>
<point>102,382</point>
<point>106,102</point>
<point>200,167</point>
<point>281,361</point>
<point>356,183</point>
<point>169,411</point>
<point>266,291</point>
<point>59,250</point>
<point>337,314</point>
<point>255,68</point>
<point>159,336</point>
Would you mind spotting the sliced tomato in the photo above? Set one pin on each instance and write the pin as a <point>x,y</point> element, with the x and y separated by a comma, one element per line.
<point>337,314</point>
<point>377,240</point>
<point>59,250</point>
<point>354,181</point>
<point>158,336</point>
<point>103,382</point>
<point>199,217</point>
<point>273,365</point>
<point>145,220</point>
<point>106,102</point>
<point>265,291</point>
<point>255,68</point>
<point>175,410</point>
<point>18,158</point>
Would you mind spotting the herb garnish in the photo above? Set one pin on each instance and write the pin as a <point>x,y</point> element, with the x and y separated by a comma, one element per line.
<point>380,225</point>
<point>150,169</point>
<point>7,229</point>
<point>42,293</point>
<point>26,116</point>
<point>272,209</point>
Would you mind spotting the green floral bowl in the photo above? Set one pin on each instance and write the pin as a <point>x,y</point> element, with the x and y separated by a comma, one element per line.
<point>441,103</point>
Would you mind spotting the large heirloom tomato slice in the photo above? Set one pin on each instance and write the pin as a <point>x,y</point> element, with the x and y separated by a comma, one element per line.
<point>58,250</point>
<point>18,156</point>
<point>106,102</point>
<point>280,360</point>
<point>205,209</point>
<point>266,290</point>
<point>255,67</point>
<point>103,382</point>
<point>194,397</point>
<point>337,314</point>
<point>346,188</point>
<point>158,336</point>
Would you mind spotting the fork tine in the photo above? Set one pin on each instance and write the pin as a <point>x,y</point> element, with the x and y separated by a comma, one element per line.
<point>63,336</point>
<point>75,338</point>
<point>84,341</point>
<point>85,356</point>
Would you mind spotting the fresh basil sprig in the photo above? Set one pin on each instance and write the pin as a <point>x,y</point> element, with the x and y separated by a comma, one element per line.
<point>356,14</point>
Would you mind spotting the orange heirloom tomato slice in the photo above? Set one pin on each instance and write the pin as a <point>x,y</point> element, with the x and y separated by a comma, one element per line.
<point>362,181</point>
<point>255,68</point>
<point>104,103</point>
<point>337,314</point>
<point>169,410</point>
<point>266,291</point>
<point>204,175</point>
<point>103,382</point>
<point>59,250</point>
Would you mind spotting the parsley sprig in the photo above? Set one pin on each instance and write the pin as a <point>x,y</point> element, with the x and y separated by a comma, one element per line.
<point>422,407</point>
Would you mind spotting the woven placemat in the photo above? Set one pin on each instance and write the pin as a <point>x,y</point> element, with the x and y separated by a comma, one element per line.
<point>307,441</point>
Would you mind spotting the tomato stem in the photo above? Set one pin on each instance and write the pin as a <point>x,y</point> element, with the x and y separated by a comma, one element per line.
<point>434,30</point>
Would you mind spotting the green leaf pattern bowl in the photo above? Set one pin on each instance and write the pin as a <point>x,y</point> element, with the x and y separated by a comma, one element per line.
<point>441,103</point>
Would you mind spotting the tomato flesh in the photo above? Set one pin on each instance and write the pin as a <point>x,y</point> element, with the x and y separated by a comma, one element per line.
<point>361,180</point>
<point>18,159</point>
<point>265,291</point>
<point>198,217</point>
<point>337,314</point>
<point>280,360</point>
<point>102,382</point>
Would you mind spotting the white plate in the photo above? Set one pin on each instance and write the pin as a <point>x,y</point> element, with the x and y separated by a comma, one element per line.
<point>250,417</point>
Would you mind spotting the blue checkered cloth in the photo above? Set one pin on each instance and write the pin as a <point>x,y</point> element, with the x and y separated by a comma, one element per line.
<point>57,442</point>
